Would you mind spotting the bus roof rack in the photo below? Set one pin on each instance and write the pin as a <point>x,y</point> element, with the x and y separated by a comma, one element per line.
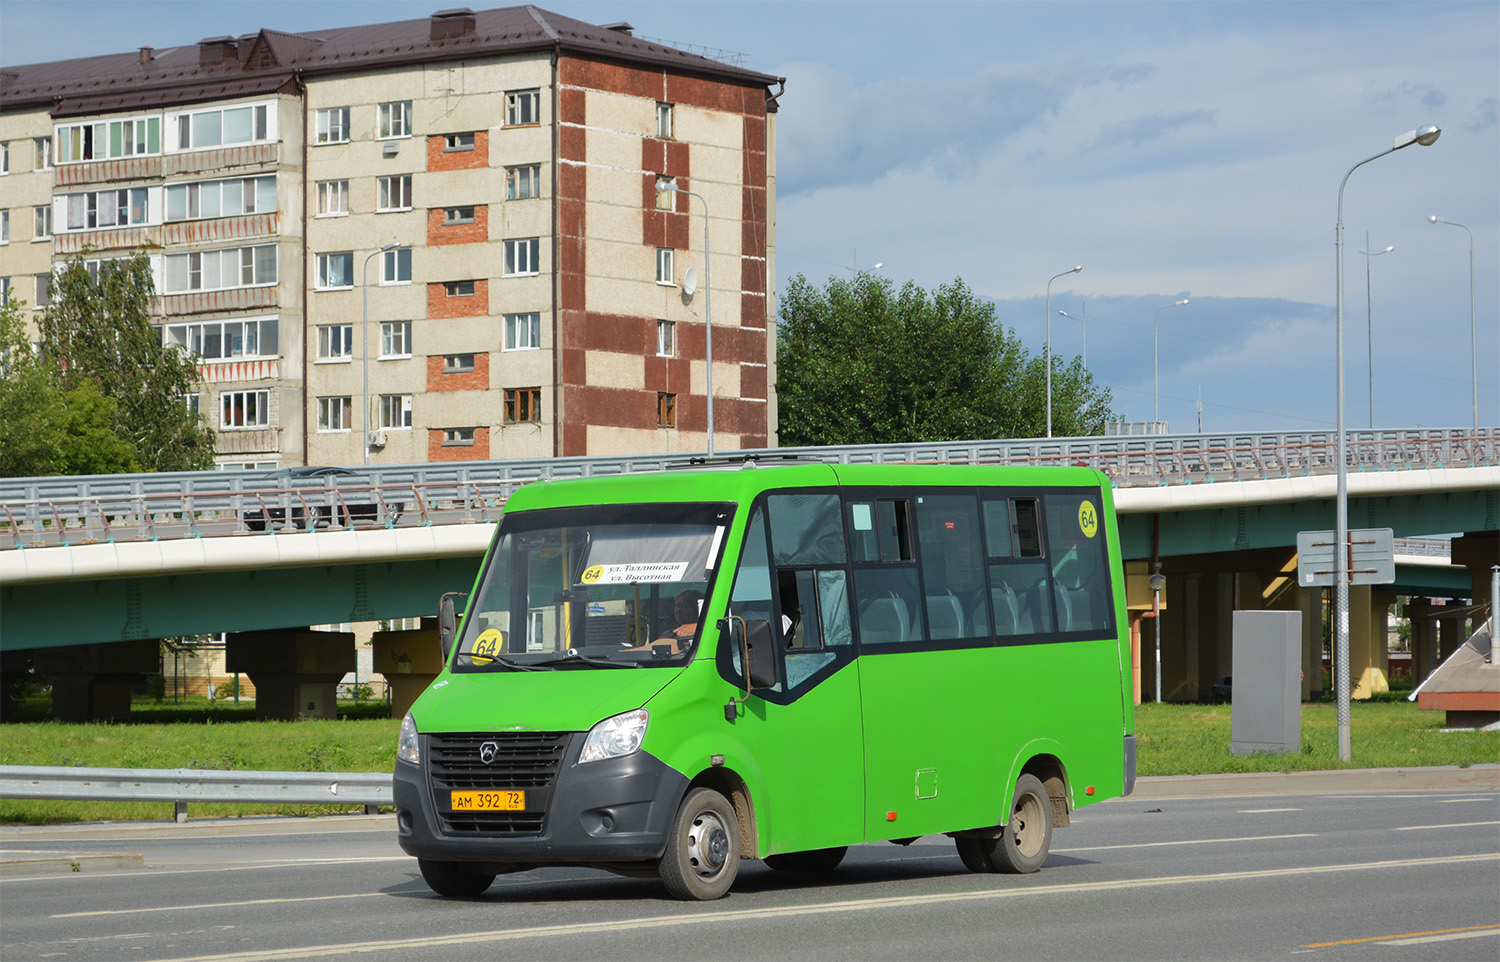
<point>744,460</point>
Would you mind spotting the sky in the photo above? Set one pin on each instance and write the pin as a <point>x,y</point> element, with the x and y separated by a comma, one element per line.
<point>1173,150</point>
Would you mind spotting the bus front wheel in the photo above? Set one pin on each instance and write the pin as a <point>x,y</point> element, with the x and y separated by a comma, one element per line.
<point>1024,842</point>
<point>453,878</point>
<point>703,851</point>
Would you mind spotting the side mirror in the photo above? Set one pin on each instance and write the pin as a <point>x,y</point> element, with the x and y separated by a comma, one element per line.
<point>448,615</point>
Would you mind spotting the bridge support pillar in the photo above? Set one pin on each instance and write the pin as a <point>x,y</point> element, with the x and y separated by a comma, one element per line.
<point>1369,628</point>
<point>295,672</point>
<point>1196,633</point>
<point>93,682</point>
<point>409,660</point>
<point>1421,613</point>
<point>1479,551</point>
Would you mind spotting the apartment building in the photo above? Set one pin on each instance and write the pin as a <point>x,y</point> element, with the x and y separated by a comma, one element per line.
<point>461,230</point>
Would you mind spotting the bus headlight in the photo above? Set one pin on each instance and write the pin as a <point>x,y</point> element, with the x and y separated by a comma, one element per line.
<point>407,748</point>
<point>616,736</point>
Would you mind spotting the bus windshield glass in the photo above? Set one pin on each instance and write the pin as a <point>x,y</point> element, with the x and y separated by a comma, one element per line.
<point>608,586</point>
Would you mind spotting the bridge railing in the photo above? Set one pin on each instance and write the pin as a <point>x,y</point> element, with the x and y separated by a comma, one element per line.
<point>38,512</point>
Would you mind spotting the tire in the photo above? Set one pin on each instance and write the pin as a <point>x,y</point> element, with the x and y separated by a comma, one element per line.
<point>453,878</point>
<point>816,860</point>
<point>703,848</point>
<point>1024,842</point>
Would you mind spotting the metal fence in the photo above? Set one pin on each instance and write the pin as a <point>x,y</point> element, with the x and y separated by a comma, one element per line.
<point>37,512</point>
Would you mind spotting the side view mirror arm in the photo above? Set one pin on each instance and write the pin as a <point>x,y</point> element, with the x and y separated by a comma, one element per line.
<point>732,708</point>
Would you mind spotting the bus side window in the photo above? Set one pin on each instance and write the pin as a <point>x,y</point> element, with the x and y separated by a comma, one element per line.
<point>751,601</point>
<point>1080,569</point>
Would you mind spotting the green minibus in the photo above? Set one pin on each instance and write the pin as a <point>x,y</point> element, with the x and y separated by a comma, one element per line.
<point>666,673</point>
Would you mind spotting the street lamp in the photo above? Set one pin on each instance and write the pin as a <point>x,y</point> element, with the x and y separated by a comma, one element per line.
<point>1369,324</point>
<point>1427,136</point>
<point>1156,361</point>
<point>1049,342</point>
<point>1473,329</point>
<point>364,334</point>
<point>662,185</point>
<point>1084,321</point>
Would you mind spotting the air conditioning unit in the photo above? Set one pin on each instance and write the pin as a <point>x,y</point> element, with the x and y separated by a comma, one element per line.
<point>377,439</point>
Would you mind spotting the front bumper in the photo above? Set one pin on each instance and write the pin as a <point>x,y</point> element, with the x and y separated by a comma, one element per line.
<point>615,810</point>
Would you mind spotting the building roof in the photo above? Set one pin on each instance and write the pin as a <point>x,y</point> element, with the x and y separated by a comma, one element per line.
<point>221,67</point>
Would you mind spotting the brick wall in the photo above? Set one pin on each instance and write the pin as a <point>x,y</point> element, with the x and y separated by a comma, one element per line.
<point>478,451</point>
<point>440,305</point>
<point>440,158</point>
<point>475,380</point>
<point>474,232</point>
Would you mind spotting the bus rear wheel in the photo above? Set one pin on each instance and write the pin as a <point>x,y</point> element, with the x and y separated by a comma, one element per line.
<point>453,878</point>
<point>816,860</point>
<point>1024,842</point>
<point>703,850</point>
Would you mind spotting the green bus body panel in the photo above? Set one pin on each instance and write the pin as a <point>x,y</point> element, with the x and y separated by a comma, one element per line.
<point>936,737</point>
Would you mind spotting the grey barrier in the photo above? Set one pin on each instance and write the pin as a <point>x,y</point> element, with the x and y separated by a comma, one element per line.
<point>183,785</point>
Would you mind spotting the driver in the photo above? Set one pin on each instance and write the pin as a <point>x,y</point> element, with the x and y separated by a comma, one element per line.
<point>685,612</point>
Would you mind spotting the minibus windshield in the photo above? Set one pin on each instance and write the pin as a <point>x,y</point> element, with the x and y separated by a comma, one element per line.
<point>597,587</point>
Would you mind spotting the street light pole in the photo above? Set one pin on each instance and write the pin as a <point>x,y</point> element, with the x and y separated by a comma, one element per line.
<point>364,334</point>
<point>1369,323</point>
<point>1054,277</point>
<point>1156,362</point>
<point>708,317</point>
<point>1473,327</point>
<point>1426,137</point>
<point>1084,322</point>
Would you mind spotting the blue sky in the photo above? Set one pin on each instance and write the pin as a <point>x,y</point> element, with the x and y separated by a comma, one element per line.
<point>1172,149</point>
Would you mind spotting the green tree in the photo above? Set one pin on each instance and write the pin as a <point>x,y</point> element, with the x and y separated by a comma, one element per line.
<point>860,362</point>
<point>98,331</point>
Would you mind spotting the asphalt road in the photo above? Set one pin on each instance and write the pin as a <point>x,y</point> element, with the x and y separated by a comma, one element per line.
<point>1306,873</point>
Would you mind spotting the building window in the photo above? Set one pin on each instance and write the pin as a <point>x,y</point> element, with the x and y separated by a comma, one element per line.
<point>244,409</point>
<point>458,215</point>
<point>523,332</point>
<point>522,107</point>
<point>224,340</point>
<point>4,157</point>
<point>395,411</point>
<point>335,413</point>
<point>458,437</point>
<point>395,266</point>
<point>223,128</point>
<point>395,120</point>
<point>395,192</point>
<point>221,198</point>
<point>395,339</point>
<point>522,256</point>
<point>523,181</point>
<point>333,198</point>
<point>664,265</point>
<point>458,141</point>
<point>41,153</point>
<point>193,403</point>
<point>335,271</point>
<point>666,199</point>
<point>105,208</point>
<point>108,140</point>
<point>335,342</point>
<point>664,121</point>
<point>458,363</point>
<point>4,227</point>
<point>41,228</point>
<point>458,288</point>
<point>43,291</point>
<point>333,126</point>
<point>666,410</point>
<point>219,270</point>
<point>523,404</point>
<point>666,338</point>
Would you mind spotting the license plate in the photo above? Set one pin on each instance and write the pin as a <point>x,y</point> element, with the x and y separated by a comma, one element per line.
<point>500,801</point>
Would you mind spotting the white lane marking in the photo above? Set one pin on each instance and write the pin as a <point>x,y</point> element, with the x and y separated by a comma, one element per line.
<point>1450,937</point>
<point>1456,801</point>
<point>1196,841</point>
<point>779,913</point>
<point>1266,811</point>
<point>1336,798</point>
<point>1422,828</point>
<point>214,905</point>
<point>159,873</point>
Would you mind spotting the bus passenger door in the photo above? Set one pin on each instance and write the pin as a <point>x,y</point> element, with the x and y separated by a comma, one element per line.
<point>802,724</point>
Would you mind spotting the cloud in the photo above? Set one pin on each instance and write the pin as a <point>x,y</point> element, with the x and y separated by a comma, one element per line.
<point>1425,94</point>
<point>1486,115</point>
<point>1146,128</point>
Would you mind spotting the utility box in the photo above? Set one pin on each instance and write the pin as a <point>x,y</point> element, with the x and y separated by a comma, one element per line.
<point>1266,715</point>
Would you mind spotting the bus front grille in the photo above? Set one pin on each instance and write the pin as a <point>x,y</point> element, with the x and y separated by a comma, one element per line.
<point>526,761</point>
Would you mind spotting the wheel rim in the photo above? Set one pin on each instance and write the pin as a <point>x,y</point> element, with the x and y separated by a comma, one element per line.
<point>1028,825</point>
<point>708,845</point>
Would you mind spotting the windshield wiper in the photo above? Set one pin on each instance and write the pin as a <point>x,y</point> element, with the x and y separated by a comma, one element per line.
<point>574,655</point>
<point>481,661</point>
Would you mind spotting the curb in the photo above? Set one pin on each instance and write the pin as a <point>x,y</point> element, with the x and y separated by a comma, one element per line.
<point>1443,778</point>
<point>21,864</point>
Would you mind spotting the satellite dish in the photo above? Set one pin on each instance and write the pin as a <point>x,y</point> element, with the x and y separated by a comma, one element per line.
<point>690,281</point>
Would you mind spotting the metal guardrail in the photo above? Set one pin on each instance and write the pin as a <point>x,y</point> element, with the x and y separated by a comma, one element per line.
<point>37,512</point>
<point>183,785</point>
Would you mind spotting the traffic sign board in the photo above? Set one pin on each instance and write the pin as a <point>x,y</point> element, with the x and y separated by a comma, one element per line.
<point>1372,557</point>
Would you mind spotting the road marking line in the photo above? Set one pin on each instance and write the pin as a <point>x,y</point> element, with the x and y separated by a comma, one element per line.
<point>1266,811</point>
<point>1476,929</point>
<point>1456,801</point>
<point>1493,930</point>
<point>212,905</point>
<point>1196,841</point>
<point>1420,828</point>
<point>779,913</point>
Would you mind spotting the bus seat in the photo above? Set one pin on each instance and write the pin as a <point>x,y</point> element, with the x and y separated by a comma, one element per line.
<point>883,622</point>
<point>945,618</point>
<point>1007,617</point>
<point>1064,607</point>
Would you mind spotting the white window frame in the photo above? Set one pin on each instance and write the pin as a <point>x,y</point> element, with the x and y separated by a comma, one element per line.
<point>393,187</point>
<point>321,272</point>
<point>395,408</point>
<point>455,215</point>
<point>395,340</point>
<point>666,199</point>
<point>663,121</point>
<point>41,222</point>
<point>262,127</point>
<point>4,227</point>
<point>41,153</point>
<point>194,336</point>
<point>522,257</point>
<point>523,108</point>
<point>332,198</point>
<point>395,267</point>
<point>523,181</point>
<point>259,409</point>
<point>90,206</point>
<point>42,289</point>
<point>336,414</point>
<point>666,338</point>
<point>335,343</point>
<point>393,120</point>
<point>665,271</point>
<point>209,199</point>
<point>95,140</point>
<point>234,264</point>
<point>331,126</point>
<point>4,158</point>
<point>523,332</point>
<point>458,437</point>
<point>455,142</point>
<point>453,363</point>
